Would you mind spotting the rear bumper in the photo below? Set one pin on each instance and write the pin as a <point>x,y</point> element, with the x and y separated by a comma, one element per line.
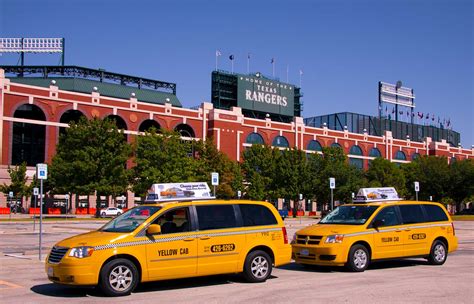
<point>283,255</point>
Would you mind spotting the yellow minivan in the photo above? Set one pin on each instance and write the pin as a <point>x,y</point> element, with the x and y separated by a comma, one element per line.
<point>172,240</point>
<point>377,227</point>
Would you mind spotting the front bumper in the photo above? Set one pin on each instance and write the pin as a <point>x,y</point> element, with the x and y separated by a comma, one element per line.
<point>330,255</point>
<point>72,273</point>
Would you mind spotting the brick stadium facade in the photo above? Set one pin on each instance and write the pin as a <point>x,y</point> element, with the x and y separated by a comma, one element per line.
<point>229,128</point>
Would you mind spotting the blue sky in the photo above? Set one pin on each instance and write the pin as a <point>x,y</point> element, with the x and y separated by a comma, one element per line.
<point>343,47</point>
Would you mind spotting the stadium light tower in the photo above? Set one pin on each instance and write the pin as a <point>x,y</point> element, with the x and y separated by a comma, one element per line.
<point>33,45</point>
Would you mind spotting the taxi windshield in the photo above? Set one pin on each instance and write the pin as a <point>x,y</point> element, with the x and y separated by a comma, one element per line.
<point>130,220</point>
<point>349,215</point>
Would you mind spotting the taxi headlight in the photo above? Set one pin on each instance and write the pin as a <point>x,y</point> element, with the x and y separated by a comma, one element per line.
<point>81,252</point>
<point>336,238</point>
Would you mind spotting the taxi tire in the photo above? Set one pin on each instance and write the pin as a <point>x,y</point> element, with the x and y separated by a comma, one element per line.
<point>104,284</point>
<point>350,259</point>
<point>437,245</point>
<point>252,258</point>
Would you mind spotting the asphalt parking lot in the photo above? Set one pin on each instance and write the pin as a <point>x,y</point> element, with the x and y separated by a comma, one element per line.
<point>22,277</point>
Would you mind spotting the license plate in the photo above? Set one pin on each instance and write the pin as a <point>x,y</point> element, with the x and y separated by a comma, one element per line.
<point>50,272</point>
<point>304,252</point>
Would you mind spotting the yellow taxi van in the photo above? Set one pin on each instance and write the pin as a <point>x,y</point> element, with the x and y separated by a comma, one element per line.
<point>169,239</point>
<point>377,226</point>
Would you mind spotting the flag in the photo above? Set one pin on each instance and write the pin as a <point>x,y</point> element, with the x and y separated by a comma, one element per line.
<point>393,111</point>
<point>400,112</point>
<point>408,114</point>
<point>301,72</point>
<point>386,110</point>
<point>248,56</point>
<point>432,117</point>
<point>427,115</point>
<point>273,60</point>
<point>218,53</point>
<point>231,57</point>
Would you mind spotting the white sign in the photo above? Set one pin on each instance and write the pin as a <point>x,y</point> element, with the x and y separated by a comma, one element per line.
<point>10,194</point>
<point>301,196</point>
<point>417,186</point>
<point>36,191</point>
<point>66,196</point>
<point>42,171</point>
<point>239,194</point>
<point>377,194</point>
<point>215,178</point>
<point>332,183</point>
<point>178,192</point>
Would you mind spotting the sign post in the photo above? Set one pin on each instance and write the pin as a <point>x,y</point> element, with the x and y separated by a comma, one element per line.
<point>67,204</point>
<point>417,189</point>
<point>215,181</point>
<point>35,195</point>
<point>332,186</point>
<point>41,174</point>
<point>10,195</point>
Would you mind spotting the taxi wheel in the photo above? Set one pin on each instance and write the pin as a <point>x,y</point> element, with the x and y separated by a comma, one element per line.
<point>257,267</point>
<point>358,259</point>
<point>438,253</point>
<point>118,277</point>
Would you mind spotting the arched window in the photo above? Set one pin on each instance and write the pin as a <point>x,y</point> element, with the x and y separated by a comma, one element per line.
<point>374,152</point>
<point>28,143</point>
<point>400,155</point>
<point>280,141</point>
<point>185,130</point>
<point>254,138</point>
<point>68,117</point>
<point>314,145</point>
<point>357,162</point>
<point>415,156</point>
<point>336,145</point>
<point>148,124</point>
<point>119,122</point>
<point>355,150</point>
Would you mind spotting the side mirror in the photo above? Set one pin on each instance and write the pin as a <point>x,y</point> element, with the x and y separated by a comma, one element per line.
<point>153,229</point>
<point>378,223</point>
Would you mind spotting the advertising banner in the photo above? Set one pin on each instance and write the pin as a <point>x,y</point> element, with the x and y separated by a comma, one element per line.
<point>377,194</point>
<point>178,192</point>
<point>265,95</point>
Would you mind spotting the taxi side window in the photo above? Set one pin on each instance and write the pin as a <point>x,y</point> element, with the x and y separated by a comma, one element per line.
<point>256,215</point>
<point>412,214</point>
<point>388,216</point>
<point>216,217</point>
<point>173,221</point>
<point>435,213</point>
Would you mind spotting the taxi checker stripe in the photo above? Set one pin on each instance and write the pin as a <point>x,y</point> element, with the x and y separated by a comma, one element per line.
<point>181,237</point>
<point>395,229</point>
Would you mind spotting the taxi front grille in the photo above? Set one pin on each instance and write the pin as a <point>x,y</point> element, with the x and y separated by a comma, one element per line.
<point>308,239</point>
<point>56,254</point>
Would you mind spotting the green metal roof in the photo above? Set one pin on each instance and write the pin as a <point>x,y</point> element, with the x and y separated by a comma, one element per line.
<point>104,88</point>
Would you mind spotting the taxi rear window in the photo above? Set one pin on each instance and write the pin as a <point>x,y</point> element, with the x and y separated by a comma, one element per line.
<point>256,215</point>
<point>435,213</point>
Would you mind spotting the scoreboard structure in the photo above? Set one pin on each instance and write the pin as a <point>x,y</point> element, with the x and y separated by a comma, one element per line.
<point>258,96</point>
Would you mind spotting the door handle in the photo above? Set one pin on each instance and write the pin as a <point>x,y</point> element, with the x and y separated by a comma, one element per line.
<point>407,230</point>
<point>188,240</point>
<point>398,231</point>
<point>204,238</point>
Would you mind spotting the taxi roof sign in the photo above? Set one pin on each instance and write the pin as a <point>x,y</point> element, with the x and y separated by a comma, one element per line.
<point>172,192</point>
<point>366,195</point>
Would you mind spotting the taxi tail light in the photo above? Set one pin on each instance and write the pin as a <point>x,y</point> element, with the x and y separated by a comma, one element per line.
<point>285,236</point>
<point>454,230</point>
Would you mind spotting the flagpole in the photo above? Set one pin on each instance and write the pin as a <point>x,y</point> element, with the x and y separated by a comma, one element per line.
<point>287,71</point>
<point>248,63</point>
<point>273,66</point>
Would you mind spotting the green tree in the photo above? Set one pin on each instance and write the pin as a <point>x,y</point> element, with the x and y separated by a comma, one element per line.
<point>161,158</point>
<point>18,180</point>
<point>91,156</point>
<point>433,174</point>
<point>209,159</point>
<point>461,181</point>
<point>384,173</point>
<point>258,168</point>
<point>333,163</point>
